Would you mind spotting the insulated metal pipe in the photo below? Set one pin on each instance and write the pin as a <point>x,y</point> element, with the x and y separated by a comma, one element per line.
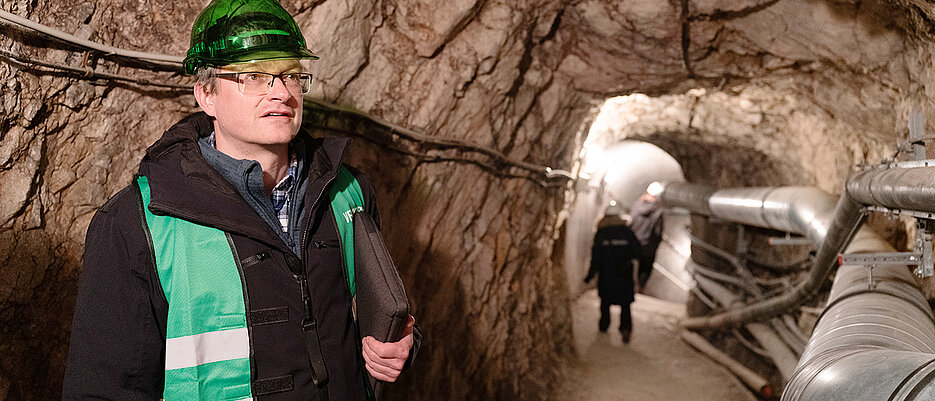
<point>876,338</point>
<point>687,196</point>
<point>784,209</point>
<point>873,342</point>
<point>895,188</point>
<point>803,210</point>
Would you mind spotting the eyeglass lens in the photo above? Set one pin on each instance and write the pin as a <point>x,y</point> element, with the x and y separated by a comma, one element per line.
<point>260,83</point>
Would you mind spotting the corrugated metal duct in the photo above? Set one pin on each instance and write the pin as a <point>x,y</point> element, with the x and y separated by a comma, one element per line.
<point>876,337</point>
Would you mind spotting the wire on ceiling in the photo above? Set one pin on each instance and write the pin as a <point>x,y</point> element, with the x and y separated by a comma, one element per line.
<point>497,158</point>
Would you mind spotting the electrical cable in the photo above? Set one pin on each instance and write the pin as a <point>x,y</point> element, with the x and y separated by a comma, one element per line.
<point>721,277</point>
<point>745,275</point>
<point>421,138</point>
<point>175,62</point>
<point>30,64</point>
<point>152,58</point>
<point>749,344</point>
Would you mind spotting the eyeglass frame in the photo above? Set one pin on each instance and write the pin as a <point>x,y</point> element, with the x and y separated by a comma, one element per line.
<point>281,76</point>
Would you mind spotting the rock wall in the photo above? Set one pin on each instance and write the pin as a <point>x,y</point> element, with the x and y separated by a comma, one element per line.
<point>474,243</point>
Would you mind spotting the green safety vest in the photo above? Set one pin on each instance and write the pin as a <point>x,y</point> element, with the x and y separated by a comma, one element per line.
<point>207,340</point>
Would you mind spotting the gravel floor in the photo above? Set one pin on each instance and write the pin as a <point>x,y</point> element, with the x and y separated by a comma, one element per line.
<point>655,365</point>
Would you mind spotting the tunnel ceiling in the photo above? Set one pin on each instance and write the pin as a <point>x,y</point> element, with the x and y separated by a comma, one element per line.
<point>810,84</point>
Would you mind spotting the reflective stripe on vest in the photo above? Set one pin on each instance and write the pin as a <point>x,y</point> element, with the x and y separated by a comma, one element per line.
<point>207,343</point>
<point>207,340</point>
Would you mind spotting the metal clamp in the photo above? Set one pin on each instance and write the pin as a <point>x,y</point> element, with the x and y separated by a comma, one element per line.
<point>925,221</point>
<point>924,243</point>
<point>872,260</point>
<point>880,259</point>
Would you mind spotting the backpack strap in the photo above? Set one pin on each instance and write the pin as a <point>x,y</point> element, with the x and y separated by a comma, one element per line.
<point>346,199</point>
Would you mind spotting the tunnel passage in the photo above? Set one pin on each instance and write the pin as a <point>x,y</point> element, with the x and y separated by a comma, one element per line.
<point>620,174</point>
<point>816,86</point>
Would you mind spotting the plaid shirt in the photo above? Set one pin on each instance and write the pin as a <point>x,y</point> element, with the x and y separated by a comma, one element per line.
<point>282,190</point>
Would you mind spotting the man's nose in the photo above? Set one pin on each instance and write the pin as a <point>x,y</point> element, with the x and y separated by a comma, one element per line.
<point>279,89</point>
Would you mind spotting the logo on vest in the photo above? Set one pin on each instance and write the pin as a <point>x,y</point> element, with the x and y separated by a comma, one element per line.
<point>349,215</point>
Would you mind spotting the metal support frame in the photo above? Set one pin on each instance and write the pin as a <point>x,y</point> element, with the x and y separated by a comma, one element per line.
<point>880,259</point>
<point>873,260</point>
<point>922,257</point>
<point>924,261</point>
<point>924,243</point>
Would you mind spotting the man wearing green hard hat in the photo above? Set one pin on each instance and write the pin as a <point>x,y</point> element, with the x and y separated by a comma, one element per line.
<point>224,271</point>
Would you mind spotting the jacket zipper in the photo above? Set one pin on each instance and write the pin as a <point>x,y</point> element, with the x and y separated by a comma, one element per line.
<point>309,325</point>
<point>347,281</point>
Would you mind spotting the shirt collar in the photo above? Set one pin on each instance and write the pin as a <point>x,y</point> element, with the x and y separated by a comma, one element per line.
<point>285,184</point>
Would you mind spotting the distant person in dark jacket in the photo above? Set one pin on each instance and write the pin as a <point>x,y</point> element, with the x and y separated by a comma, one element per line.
<point>646,223</point>
<point>613,257</point>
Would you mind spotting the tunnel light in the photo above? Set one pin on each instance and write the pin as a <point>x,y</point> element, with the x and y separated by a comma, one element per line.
<point>655,188</point>
<point>595,159</point>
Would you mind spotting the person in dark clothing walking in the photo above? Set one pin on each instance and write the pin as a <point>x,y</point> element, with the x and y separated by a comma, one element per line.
<point>614,255</point>
<point>646,222</point>
<point>219,272</point>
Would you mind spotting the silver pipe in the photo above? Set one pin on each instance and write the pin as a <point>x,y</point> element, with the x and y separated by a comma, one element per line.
<point>802,210</point>
<point>895,188</point>
<point>869,344</point>
<point>687,196</point>
<point>876,338</point>
<point>847,217</point>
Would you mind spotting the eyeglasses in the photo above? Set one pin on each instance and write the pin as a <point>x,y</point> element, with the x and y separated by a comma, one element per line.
<point>260,83</point>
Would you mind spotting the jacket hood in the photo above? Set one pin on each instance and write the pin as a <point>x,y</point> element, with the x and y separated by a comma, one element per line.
<point>611,220</point>
<point>184,184</point>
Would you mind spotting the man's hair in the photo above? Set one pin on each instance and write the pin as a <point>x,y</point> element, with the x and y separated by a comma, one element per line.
<point>205,77</point>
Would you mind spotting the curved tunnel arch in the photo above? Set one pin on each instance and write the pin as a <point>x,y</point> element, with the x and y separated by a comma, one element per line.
<point>516,76</point>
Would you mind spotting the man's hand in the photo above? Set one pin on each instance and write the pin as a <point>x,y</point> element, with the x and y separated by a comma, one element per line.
<point>385,361</point>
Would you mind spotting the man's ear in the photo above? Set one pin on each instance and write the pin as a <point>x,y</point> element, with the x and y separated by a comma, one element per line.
<point>205,99</point>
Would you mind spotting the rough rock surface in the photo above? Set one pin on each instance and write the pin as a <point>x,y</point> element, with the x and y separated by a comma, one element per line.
<point>796,89</point>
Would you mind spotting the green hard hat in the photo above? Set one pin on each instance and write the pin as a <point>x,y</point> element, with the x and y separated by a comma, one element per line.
<point>239,31</point>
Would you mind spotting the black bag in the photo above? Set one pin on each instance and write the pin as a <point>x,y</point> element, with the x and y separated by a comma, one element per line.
<point>382,305</point>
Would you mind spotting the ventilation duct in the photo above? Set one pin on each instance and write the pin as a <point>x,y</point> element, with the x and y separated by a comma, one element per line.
<point>875,339</point>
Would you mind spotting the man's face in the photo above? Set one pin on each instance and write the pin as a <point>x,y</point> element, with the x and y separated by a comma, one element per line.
<point>244,122</point>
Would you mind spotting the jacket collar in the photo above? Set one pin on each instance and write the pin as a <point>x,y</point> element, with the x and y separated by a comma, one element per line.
<point>184,184</point>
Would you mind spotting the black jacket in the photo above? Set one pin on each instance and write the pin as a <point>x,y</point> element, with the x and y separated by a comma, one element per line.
<point>614,248</point>
<point>117,344</point>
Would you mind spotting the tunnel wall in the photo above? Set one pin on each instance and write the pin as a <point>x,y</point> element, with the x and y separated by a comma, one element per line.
<point>473,246</point>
